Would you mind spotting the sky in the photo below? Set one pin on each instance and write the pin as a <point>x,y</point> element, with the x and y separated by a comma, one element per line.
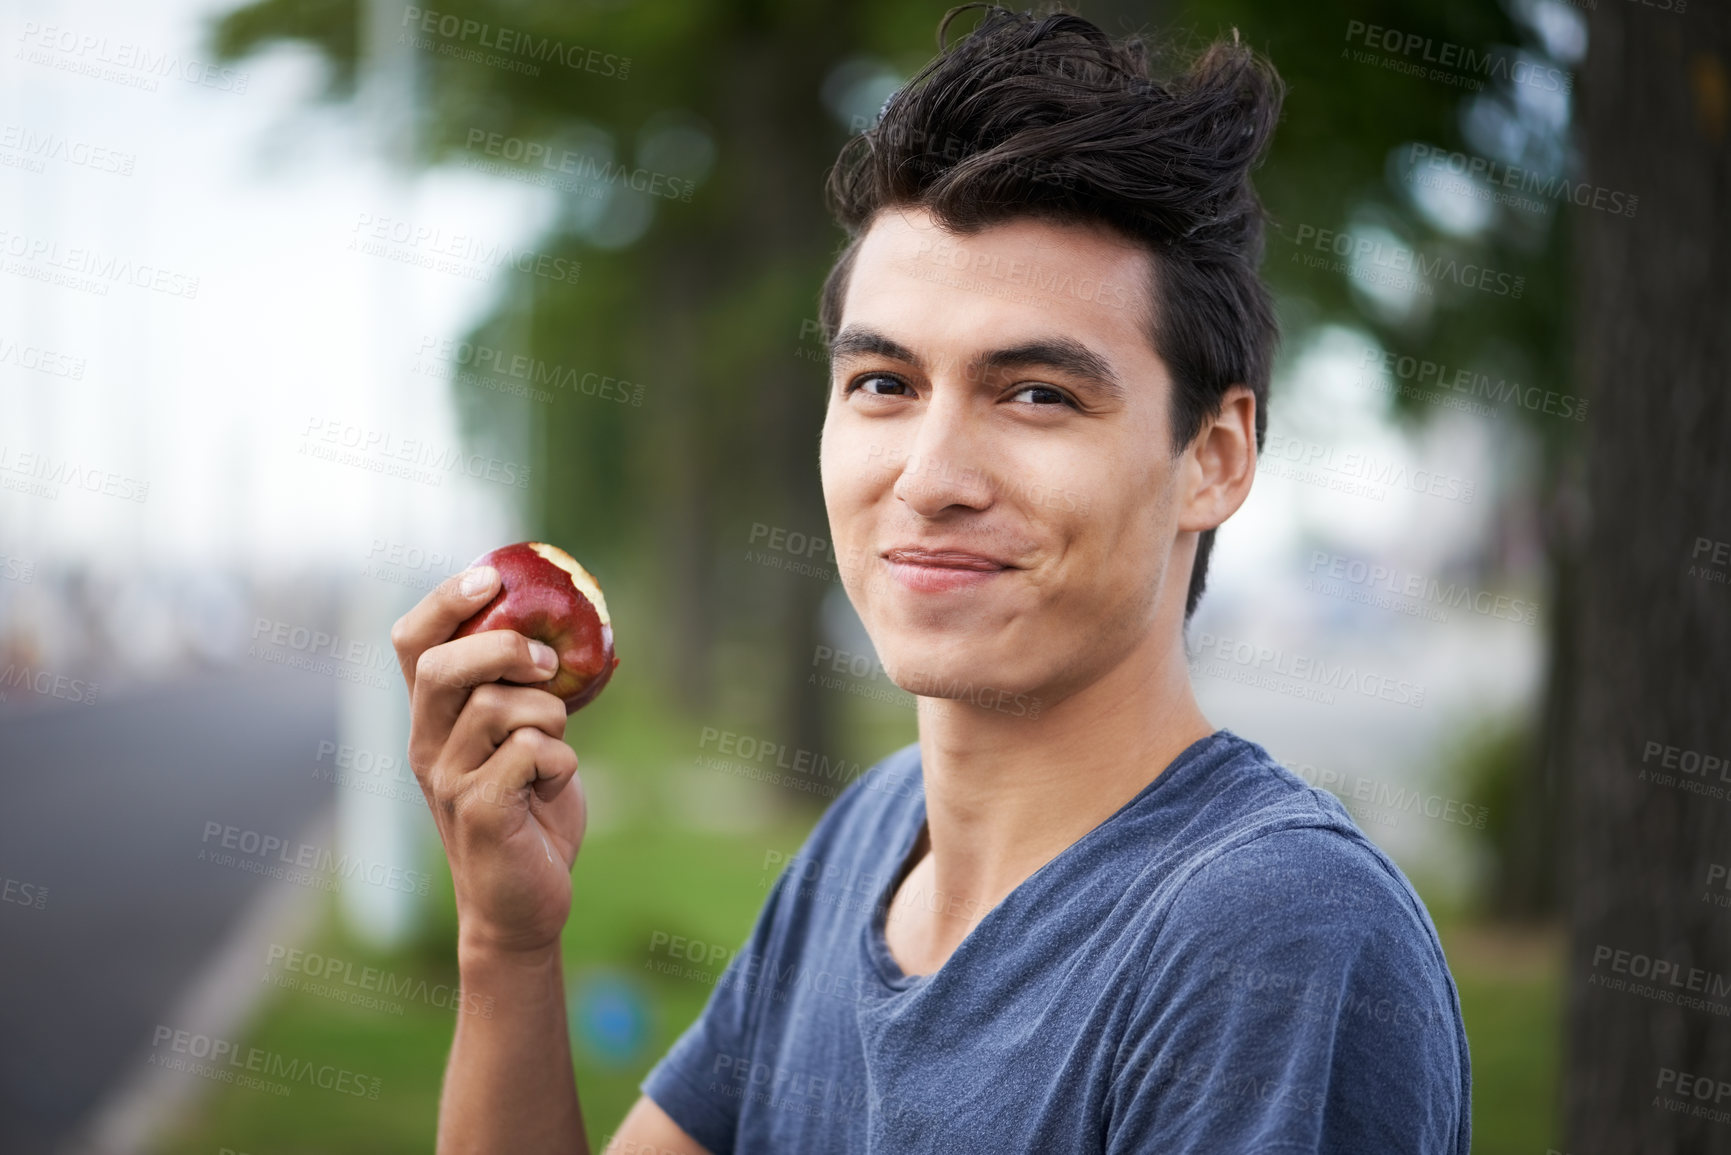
<point>256,332</point>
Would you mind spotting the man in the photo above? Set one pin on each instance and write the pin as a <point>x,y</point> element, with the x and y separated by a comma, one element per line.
<point>1075,916</point>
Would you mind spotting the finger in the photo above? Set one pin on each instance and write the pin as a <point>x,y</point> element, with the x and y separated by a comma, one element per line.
<point>494,710</point>
<point>552,777</point>
<point>494,793</point>
<point>446,675</point>
<point>436,617</point>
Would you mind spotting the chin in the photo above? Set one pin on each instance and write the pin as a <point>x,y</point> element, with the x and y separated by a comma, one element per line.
<point>936,671</point>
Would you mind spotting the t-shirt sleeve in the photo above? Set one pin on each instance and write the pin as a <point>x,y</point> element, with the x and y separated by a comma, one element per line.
<point>1294,1001</point>
<point>693,1080</point>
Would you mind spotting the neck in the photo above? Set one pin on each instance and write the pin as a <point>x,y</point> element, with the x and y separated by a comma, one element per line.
<point>1006,794</point>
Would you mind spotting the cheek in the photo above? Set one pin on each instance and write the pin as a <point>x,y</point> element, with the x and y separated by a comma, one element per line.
<point>845,465</point>
<point>843,500</point>
<point>1124,549</point>
<point>837,486</point>
<point>829,448</point>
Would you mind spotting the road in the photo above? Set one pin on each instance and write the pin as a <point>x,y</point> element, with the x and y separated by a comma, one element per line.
<point>107,908</point>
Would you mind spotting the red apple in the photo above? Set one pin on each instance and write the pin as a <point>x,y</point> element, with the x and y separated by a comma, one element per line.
<point>545,595</point>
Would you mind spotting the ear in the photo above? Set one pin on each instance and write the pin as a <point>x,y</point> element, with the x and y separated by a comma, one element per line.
<point>1215,473</point>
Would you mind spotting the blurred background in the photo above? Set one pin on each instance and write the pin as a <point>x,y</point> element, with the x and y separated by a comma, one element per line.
<point>308,302</point>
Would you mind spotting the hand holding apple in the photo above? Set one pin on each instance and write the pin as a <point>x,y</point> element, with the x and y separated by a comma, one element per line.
<point>546,595</point>
<point>487,745</point>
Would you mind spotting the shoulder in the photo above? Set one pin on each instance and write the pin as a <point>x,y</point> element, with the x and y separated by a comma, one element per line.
<point>1231,788</point>
<point>1293,910</point>
<point>1294,874</point>
<point>1274,840</point>
<point>1303,870</point>
<point>1285,892</point>
<point>1290,943</point>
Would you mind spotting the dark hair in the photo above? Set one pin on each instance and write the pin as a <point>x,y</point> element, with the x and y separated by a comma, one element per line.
<point>1047,116</point>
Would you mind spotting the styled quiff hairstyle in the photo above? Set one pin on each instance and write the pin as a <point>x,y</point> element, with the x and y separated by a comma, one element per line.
<point>1046,116</point>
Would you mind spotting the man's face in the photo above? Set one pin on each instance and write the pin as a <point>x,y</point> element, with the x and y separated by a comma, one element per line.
<point>998,395</point>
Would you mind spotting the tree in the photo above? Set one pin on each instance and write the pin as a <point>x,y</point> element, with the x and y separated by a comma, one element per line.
<point>1650,817</point>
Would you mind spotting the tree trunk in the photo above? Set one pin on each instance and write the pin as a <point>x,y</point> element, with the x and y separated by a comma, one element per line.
<point>1650,814</point>
<point>1531,848</point>
<point>771,109</point>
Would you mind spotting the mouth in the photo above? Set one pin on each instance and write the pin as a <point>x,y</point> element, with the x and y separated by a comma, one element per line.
<point>941,570</point>
<point>944,558</point>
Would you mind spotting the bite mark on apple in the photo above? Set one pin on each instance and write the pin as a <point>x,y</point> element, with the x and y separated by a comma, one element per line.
<point>585,582</point>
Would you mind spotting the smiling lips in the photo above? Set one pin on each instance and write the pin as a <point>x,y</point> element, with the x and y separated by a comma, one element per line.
<point>943,558</point>
<point>937,570</point>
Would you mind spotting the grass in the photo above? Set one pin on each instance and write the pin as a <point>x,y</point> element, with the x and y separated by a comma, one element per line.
<point>1510,985</point>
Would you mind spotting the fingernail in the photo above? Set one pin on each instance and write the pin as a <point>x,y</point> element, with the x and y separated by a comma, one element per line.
<point>478,579</point>
<point>543,656</point>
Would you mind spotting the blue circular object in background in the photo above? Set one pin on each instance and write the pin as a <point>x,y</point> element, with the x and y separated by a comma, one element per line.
<point>609,1015</point>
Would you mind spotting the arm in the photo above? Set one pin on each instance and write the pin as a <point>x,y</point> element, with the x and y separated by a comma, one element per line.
<point>516,1064</point>
<point>648,1131</point>
<point>509,1084</point>
<point>488,750</point>
<point>491,760</point>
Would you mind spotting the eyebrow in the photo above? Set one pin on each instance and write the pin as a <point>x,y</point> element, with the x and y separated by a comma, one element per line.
<point>1065,354</point>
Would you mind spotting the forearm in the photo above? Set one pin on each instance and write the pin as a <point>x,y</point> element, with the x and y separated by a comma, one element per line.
<point>509,1084</point>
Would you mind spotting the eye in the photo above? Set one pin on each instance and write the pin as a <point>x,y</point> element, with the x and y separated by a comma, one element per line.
<point>1047,394</point>
<point>864,380</point>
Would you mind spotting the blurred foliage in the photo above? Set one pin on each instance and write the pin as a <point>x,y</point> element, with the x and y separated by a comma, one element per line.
<point>331,24</point>
<point>1487,766</point>
<point>1338,162</point>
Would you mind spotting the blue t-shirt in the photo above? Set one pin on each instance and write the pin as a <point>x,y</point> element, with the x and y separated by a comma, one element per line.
<point>1225,966</point>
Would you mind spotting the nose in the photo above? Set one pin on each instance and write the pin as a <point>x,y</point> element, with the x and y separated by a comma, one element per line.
<point>946,461</point>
